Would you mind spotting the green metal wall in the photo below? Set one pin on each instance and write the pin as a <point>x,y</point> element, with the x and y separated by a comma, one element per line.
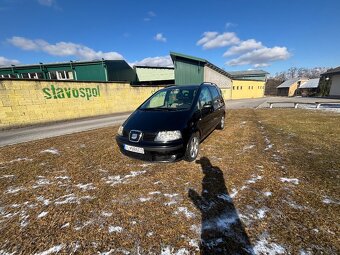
<point>188,72</point>
<point>90,72</point>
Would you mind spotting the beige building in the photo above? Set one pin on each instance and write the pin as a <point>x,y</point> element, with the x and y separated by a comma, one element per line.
<point>334,76</point>
<point>289,87</point>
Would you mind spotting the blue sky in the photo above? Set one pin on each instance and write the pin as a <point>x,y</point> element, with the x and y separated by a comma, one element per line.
<point>232,34</point>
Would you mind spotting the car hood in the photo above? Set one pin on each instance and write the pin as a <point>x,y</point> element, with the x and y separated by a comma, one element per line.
<point>154,121</point>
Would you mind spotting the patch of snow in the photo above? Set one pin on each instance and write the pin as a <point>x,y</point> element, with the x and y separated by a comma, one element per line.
<point>41,182</point>
<point>292,180</point>
<point>267,193</point>
<point>43,200</point>
<point>86,223</point>
<point>23,219</point>
<point>264,247</point>
<point>106,252</point>
<point>144,199</point>
<point>261,213</point>
<point>170,203</point>
<point>133,222</point>
<point>20,159</point>
<point>2,252</point>
<point>15,205</point>
<point>12,190</point>
<point>87,186</point>
<point>303,252</point>
<point>62,177</point>
<point>233,193</point>
<point>116,229</point>
<point>107,214</point>
<point>42,214</point>
<point>51,151</point>
<point>155,193</point>
<point>157,182</point>
<point>149,234</point>
<point>196,229</point>
<point>248,147</point>
<point>54,249</point>
<point>254,179</point>
<point>117,179</point>
<point>145,165</point>
<point>186,212</point>
<point>7,176</point>
<point>66,225</point>
<point>70,198</point>
<point>328,200</point>
<point>171,195</point>
<point>194,243</point>
<point>171,251</point>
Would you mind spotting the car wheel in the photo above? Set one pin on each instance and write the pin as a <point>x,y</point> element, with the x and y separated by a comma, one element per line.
<point>221,124</point>
<point>192,148</point>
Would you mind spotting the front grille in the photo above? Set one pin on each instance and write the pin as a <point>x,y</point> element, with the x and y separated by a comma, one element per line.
<point>149,137</point>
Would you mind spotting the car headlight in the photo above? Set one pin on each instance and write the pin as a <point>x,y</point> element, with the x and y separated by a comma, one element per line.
<point>166,136</point>
<point>120,130</point>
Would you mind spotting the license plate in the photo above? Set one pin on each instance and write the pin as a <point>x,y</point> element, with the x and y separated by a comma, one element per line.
<point>134,149</point>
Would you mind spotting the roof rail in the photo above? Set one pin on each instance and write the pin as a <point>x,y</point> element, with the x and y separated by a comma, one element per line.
<point>211,83</point>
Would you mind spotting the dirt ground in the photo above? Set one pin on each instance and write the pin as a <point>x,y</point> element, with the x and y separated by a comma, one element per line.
<point>267,184</point>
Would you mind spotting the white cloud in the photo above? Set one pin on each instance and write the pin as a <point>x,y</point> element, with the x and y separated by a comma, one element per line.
<point>230,24</point>
<point>159,37</point>
<point>243,47</point>
<point>150,15</point>
<point>164,61</point>
<point>261,57</point>
<point>6,62</point>
<point>47,2</point>
<point>212,40</point>
<point>62,49</point>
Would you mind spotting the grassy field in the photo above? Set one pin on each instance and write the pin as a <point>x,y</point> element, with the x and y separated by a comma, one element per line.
<point>267,184</point>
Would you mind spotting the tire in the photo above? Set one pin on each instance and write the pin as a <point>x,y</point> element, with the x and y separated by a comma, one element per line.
<point>220,125</point>
<point>192,149</point>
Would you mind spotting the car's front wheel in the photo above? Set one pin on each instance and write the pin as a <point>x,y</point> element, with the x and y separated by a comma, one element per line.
<point>192,148</point>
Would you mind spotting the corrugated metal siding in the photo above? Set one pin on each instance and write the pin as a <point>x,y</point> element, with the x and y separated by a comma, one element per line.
<point>93,72</point>
<point>188,72</point>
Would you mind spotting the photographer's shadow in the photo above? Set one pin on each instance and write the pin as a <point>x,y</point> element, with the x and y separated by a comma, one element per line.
<point>222,231</point>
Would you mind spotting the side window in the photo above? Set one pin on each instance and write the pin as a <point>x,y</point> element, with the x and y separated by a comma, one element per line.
<point>216,97</point>
<point>205,97</point>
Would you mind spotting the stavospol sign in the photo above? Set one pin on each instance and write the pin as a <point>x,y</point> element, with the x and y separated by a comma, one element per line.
<point>63,93</point>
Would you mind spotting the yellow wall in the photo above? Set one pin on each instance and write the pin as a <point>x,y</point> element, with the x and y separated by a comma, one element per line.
<point>247,89</point>
<point>24,102</point>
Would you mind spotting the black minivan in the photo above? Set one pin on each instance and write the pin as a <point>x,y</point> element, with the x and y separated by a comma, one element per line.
<point>170,124</point>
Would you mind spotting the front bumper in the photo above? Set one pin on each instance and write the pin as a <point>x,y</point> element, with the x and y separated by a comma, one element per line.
<point>167,152</point>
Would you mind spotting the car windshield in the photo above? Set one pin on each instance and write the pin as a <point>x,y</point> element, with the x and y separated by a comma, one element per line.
<point>171,99</point>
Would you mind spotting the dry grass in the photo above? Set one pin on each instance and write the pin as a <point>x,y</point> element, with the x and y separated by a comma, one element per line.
<point>132,206</point>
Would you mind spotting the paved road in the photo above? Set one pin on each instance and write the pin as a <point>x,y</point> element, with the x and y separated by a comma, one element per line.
<point>32,133</point>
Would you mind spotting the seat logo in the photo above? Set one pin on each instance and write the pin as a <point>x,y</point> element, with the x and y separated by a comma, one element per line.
<point>135,136</point>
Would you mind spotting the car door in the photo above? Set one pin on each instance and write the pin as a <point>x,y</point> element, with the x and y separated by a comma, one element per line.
<point>205,105</point>
<point>218,105</point>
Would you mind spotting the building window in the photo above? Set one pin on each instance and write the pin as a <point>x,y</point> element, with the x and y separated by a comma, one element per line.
<point>64,75</point>
<point>237,87</point>
<point>25,76</point>
<point>233,87</point>
<point>248,87</point>
<point>240,87</point>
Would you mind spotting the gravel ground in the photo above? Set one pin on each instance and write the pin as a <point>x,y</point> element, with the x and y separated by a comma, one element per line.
<point>267,184</point>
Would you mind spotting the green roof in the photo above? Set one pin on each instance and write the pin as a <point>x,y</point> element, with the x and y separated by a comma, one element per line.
<point>174,55</point>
